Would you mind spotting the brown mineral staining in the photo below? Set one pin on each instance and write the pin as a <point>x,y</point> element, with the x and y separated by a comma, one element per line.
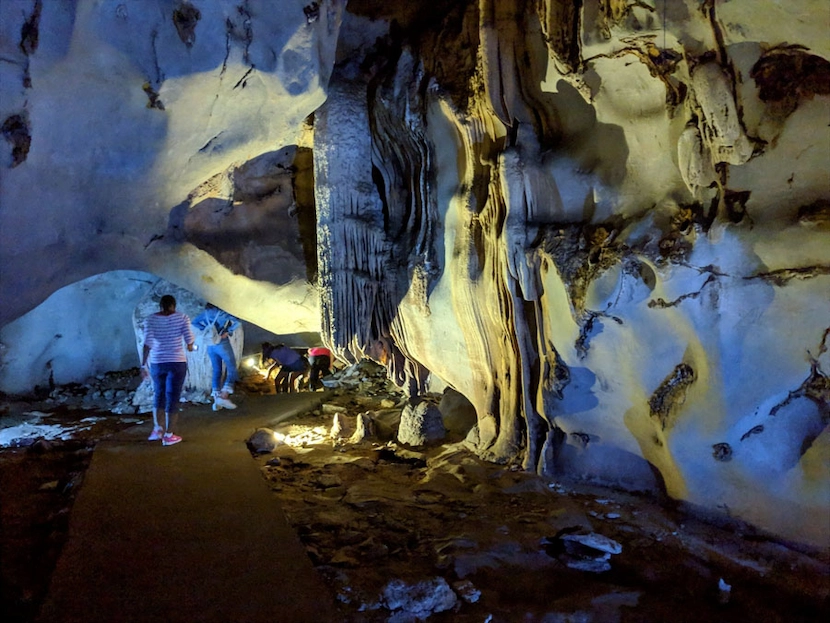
<point>788,73</point>
<point>30,31</point>
<point>15,130</point>
<point>185,18</point>
<point>152,97</point>
<point>683,220</point>
<point>674,246</point>
<point>735,203</point>
<point>667,399</point>
<point>722,452</point>
<point>816,214</point>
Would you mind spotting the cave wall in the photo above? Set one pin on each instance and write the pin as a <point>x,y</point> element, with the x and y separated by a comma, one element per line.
<point>604,222</point>
<point>117,117</point>
<point>81,330</point>
<point>610,233</point>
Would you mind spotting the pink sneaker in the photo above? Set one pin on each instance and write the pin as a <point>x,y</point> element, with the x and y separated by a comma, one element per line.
<point>169,439</point>
<point>156,434</point>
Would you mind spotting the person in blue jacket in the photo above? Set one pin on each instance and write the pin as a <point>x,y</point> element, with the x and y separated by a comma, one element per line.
<point>221,356</point>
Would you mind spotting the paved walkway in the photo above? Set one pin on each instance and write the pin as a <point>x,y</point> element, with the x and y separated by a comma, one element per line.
<point>189,532</point>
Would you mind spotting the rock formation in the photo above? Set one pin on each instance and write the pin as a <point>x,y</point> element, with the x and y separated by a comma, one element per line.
<point>121,119</point>
<point>605,223</point>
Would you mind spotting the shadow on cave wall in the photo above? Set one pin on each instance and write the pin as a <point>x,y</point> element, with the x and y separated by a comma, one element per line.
<point>596,147</point>
<point>563,121</point>
<point>264,225</point>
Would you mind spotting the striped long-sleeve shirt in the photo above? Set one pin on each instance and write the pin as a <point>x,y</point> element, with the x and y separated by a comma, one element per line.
<point>166,337</point>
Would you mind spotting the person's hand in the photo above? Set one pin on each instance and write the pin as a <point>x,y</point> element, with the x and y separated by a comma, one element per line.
<point>145,372</point>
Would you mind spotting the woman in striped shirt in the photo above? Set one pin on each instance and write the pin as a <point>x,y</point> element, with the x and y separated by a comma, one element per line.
<point>165,335</point>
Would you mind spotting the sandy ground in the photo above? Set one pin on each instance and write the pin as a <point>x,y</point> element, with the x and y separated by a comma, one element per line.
<point>434,532</point>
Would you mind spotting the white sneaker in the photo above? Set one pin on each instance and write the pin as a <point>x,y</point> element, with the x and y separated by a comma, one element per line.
<point>222,403</point>
<point>227,389</point>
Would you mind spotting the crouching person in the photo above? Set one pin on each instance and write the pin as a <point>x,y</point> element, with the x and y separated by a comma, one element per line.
<point>319,361</point>
<point>291,365</point>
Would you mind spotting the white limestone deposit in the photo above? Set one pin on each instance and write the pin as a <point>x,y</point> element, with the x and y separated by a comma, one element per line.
<point>606,224</point>
<point>26,432</point>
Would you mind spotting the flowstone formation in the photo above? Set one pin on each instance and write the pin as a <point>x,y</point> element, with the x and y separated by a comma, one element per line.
<point>606,224</point>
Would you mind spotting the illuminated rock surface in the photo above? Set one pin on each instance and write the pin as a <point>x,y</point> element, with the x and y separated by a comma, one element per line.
<point>606,226</point>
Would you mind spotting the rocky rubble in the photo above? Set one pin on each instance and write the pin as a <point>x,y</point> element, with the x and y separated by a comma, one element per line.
<point>113,392</point>
<point>408,533</point>
<point>98,406</point>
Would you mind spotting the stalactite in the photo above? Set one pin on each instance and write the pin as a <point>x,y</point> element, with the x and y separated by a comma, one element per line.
<point>695,162</point>
<point>721,125</point>
<point>351,250</point>
<point>380,236</point>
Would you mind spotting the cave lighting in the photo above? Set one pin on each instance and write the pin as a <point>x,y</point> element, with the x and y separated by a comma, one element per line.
<point>302,437</point>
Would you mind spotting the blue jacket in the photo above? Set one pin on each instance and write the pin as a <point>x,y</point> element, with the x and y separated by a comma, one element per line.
<point>283,355</point>
<point>225,323</point>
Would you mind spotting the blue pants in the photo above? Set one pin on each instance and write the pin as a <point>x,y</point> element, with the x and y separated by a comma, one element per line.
<point>219,354</point>
<point>168,379</point>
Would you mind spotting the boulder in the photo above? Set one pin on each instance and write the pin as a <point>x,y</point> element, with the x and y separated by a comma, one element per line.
<point>421,424</point>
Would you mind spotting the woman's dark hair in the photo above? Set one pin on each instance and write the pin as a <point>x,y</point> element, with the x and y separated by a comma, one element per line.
<point>167,302</point>
<point>265,353</point>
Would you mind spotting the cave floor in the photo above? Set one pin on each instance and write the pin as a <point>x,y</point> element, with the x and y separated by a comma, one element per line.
<point>369,513</point>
